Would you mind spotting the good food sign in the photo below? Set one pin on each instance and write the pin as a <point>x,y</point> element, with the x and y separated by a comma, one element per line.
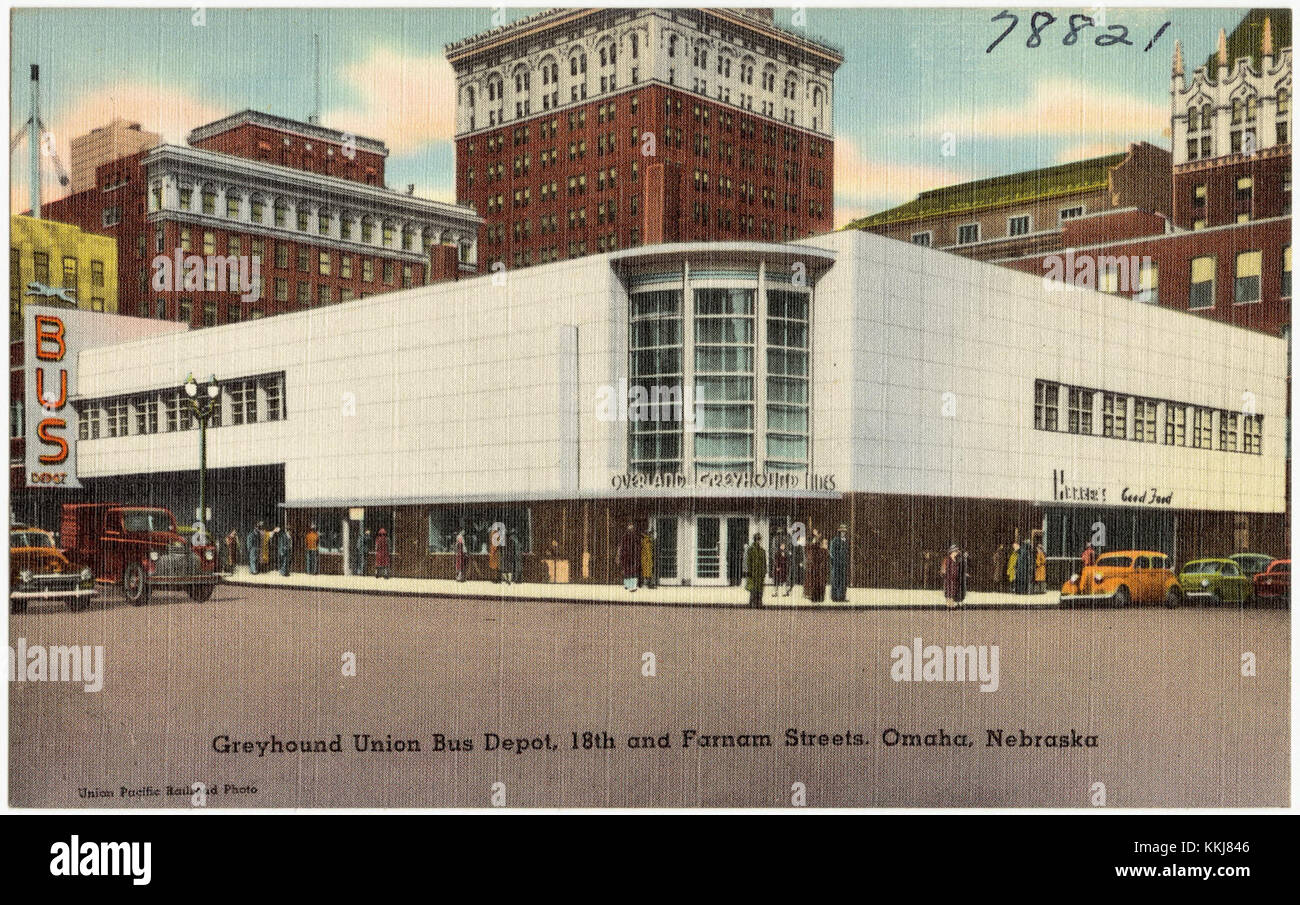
<point>51,430</point>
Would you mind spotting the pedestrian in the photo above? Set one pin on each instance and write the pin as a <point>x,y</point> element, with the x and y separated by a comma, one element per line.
<point>460,556</point>
<point>1089,555</point>
<point>507,558</point>
<point>781,567</point>
<point>254,545</point>
<point>952,576</point>
<point>1000,567</point>
<point>756,571</point>
<point>839,562</point>
<point>963,575</point>
<point>1040,570</point>
<point>312,544</point>
<point>1025,569</point>
<point>232,549</point>
<point>816,568</point>
<point>516,557</point>
<point>363,547</point>
<point>798,561</point>
<point>383,566</point>
<point>628,554</point>
<point>495,542</point>
<point>648,560</point>
<point>1011,566</point>
<point>264,547</point>
<point>284,549</point>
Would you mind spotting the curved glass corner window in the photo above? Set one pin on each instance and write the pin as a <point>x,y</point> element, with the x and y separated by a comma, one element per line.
<point>724,379</point>
<point>656,403</point>
<point>787,380</point>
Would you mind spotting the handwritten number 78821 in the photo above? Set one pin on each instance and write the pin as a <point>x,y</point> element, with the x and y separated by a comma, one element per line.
<point>1041,20</point>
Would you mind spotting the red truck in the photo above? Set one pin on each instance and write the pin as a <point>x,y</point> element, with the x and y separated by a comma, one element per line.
<point>138,548</point>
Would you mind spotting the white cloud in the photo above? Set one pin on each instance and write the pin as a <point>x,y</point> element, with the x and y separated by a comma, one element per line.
<point>166,110</point>
<point>404,100</point>
<point>864,186</point>
<point>1059,108</point>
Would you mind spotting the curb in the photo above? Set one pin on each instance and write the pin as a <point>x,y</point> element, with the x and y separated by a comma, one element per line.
<point>849,607</point>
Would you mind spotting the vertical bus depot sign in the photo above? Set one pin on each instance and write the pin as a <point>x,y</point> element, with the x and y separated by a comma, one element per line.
<point>50,350</point>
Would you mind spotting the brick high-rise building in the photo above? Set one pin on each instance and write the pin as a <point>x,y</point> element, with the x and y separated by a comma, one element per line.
<point>307,201</point>
<point>581,131</point>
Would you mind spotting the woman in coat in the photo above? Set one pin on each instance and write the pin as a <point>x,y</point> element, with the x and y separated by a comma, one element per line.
<point>1040,570</point>
<point>383,567</point>
<point>781,567</point>
<point>494,558</point>
<point>952,576</point>
<point>818,570</point>
<point>629,549</point>
<point>647,560</point>
<point>1011,566</point>
<point>460,556</point>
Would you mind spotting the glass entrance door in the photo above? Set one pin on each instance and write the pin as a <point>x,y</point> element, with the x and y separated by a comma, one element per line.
<point>708,548</point>
<point>737,543</point>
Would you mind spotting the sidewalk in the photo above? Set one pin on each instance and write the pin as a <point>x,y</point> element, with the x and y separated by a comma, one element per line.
<point>858,598</point>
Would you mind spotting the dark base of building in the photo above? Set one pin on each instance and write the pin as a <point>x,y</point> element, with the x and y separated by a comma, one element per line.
<point>897,541</point>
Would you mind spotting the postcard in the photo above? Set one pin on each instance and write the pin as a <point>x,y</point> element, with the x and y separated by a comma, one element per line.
<point>649,407</point>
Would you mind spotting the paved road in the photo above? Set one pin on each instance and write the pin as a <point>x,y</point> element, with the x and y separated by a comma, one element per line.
<point>1176,723</point>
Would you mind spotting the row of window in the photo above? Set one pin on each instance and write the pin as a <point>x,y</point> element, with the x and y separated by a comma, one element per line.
<point>352,229</point>
<point>1246,279</point>
<point>1079,410</point>
<point>306,259</point>
<point>244,401</point>
<point>1017,225</point>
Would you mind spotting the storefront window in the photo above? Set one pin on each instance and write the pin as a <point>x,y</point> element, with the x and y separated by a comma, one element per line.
<point>656,408</point>
<point>787,381</point>
<point>477,524</point>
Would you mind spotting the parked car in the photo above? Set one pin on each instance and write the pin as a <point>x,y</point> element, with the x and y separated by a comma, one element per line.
<point>1274,583</point>
<point>139,548</point>
<point>1252,563</point>
<point>1216,580</point>
<point>38,570</point>
<point>1124,577</point>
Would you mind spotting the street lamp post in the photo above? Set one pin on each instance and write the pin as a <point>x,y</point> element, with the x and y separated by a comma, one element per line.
<point>203,399</point>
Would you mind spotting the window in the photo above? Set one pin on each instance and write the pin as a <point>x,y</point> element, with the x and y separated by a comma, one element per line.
<point>1246,286</point>
<point>304,292</point>
<point>88,421</point>
<point>1069,213</point>
<point>1080,412</point>
<point>1175,424</point>
<point>1253,434</point>
<point>1202,428</point>
<point>243,401</point>
<point>968,233</point>
<point>324,263</point>
<point>923,239</point>
<point>177,412</point>
<point>787,381</point>
<point>345,266</point>
<point>724,384</point>
<point>1046,405</point>
<point>367,270</point>
<point>41,267</point>
<point>116,417</point>
<point>1144,420</point>
<point>97,274</point>
<point>70,272</point>
<point>304,259</point>
<point>1286,271</point>
<point>1202,289</point>
<point>1018,226</point>
<point>1114,416</point>
<point>273,390</point>
<point>1228,431</point>
<point>146,415</point>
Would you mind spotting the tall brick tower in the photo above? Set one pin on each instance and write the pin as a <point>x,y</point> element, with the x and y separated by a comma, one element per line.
<point>581,131</point>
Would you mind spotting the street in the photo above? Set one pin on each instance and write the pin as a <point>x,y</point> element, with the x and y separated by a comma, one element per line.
<point>474,702</point>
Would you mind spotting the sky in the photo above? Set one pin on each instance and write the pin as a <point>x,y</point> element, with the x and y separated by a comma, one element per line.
<point>919,102</point>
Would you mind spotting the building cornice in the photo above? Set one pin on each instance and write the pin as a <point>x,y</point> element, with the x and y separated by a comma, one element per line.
<point>532,26</point>
<point>301,129</point>
<point>232,167</point>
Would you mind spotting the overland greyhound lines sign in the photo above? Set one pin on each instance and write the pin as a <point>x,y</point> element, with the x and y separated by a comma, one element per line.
<point>51,343</point>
